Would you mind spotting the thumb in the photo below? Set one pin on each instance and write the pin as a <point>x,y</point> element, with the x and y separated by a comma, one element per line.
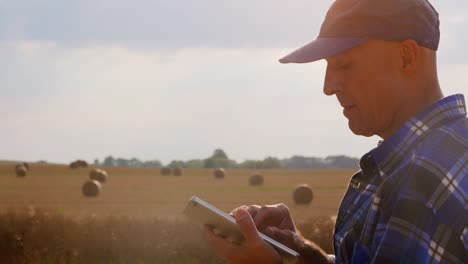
<point>247,226</point>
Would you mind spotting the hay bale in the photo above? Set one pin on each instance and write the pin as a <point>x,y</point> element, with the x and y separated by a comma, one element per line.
<point>78,164</point>
<point>21,171</point>
<point>303,194</point>
<point>73,165</point>
<point>166,171</point>
<point>91,188</point>
<point>219,173</point>
<point>256,180</point>
<point>177,171</point>
<point>98,175</point>
<point>82,163</point>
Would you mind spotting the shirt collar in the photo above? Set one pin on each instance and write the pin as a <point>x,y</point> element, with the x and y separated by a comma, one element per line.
<point>388,154</point>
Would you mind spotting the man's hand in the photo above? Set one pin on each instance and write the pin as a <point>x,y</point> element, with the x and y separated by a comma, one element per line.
<point>276,222</point>
<point>270,215</point>
<point>253,250</point>
<point>309,252</point>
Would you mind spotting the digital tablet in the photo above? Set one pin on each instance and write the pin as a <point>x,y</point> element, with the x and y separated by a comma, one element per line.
<point>225,225</point>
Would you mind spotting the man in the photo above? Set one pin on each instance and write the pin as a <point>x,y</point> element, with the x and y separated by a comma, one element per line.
<point>408,203</point>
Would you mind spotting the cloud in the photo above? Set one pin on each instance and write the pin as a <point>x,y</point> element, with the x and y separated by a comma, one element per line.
<point>162,24</point>
<point>111,100</point>
<point>62,103</point>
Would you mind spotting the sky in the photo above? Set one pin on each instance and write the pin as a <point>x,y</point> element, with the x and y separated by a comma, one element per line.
<point>177,79</point>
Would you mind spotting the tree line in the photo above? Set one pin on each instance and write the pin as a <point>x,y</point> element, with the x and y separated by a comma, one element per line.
<point>219,159</point>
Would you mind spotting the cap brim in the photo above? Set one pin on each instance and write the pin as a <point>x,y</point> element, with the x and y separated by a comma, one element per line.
<point>320,49</point>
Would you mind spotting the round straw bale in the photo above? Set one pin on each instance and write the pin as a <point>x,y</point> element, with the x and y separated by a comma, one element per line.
<point>82,163</point>
<point>219,173</point>
<point>177,171</point>
<point>20,170</point>
<point>256,180</point>
<point>73,165</point>
<point>91,188</point>
<point>166,171</point>
<point>98,175</point>
<point>303,194</point>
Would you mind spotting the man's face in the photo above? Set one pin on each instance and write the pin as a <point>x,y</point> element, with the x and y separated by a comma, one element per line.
<point>367,82</point>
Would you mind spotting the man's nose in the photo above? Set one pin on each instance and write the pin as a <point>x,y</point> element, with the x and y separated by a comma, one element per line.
<point>330,84</point>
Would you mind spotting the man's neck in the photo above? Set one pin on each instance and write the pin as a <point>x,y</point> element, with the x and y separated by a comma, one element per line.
<point>412,104</point>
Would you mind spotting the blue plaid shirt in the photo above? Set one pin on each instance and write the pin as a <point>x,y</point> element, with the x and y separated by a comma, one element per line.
<point>408,203</point>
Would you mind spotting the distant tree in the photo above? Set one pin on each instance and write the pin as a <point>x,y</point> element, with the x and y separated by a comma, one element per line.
<point>219,154</point>
<point>267,163</point>
<point>249,164</point>
<point>177,163</point>
<point>341,161</point>
<point>231,164</point>
<point>152,164</point>
<point>219,159</point>
<point>271,163</point>
<point>109,161</point>
<point>121,162</point>
<point>301,162</point>
<point>196,163</point>
<point>134,162</point>
<point>211,163</point>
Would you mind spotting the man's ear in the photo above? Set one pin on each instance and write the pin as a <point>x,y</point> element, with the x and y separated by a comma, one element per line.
<point>410,55</point>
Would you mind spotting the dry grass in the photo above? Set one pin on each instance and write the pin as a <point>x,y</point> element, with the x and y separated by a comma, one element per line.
<point>36,236</point>
<point>144,207</point>
<point>42,237</point>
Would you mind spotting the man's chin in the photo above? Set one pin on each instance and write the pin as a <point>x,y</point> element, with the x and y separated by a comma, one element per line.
<point>359,131</point>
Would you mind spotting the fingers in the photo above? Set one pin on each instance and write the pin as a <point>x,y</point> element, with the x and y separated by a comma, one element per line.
<point>247,227</point>
<point>274,215</point>
<point>285,237</point>
<point>269,215</point>
<point>253,250</point>
<point>237,208</point>
<point>252,209</point>
<point>309,251</point>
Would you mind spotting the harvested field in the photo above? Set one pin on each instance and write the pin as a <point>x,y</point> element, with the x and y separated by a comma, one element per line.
<point>137,218</point>
<point>143,193</point>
